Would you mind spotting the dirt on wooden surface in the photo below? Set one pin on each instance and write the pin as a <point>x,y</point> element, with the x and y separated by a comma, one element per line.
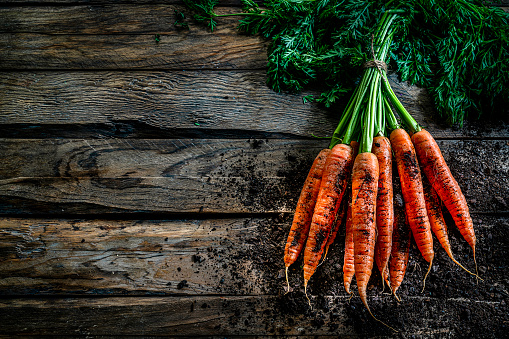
<point>453,302</point>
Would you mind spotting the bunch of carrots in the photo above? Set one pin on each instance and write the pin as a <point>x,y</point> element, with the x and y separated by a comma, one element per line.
<point>351,183</point>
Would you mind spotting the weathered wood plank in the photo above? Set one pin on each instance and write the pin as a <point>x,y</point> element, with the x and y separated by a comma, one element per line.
<point>213,256</point>
<point>196,175</point>
<point>236,256</point>
<point>158,101</point>
<point>178,51</point>
<point>182,104</point>
<point>108,19</point>
<point>178,176</point>
<point>264,315</point>
<point>164,2</point>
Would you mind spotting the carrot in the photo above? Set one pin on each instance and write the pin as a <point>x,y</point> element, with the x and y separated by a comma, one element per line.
<point>340,218</point>
<point>384,203</point>
<point>364,192</point>
<point>334,181</point>
<point>304,211</point>
<point>436,219</point>
<point>344,205</point>
<point>400,251</point>
<point>413,195</point>
<point>348,263</point>
<point>447,188</point>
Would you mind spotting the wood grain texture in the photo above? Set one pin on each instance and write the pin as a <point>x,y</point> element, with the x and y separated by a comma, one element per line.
<point>261,316</point>
<point>182,50</point>
<point>176,176</point>
<point>197,175</point>
<point>229,256</point>
<point>86,2</point>
<point>213,256</point>
<point>109,18</point>
<point>201,104</point>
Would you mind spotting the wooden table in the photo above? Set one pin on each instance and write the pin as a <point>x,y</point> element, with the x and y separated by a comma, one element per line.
<point>147,188</point>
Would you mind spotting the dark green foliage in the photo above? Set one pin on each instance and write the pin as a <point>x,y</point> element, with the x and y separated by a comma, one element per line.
<point>180,20</point>
<point>204,11</point>
<point>457,50</point>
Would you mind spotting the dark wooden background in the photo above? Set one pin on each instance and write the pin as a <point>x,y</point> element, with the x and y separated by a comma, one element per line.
<point>147,188</point>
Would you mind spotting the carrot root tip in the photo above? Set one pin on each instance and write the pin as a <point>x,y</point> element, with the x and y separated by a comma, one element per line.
<point>380,321</point>
<point>324,256</point>
<point>474,274</point>
<point>424,281</point>
<point>306,294</point>
<point>287,282</point>
<point>396,296</point>
<point>476,271</point>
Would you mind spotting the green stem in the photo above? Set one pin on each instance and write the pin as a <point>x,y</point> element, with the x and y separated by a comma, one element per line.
<point>408,120</point>
<point>389,114</point>
<point>368,116</point>
<point>380,114</point>
<point>351,113</point>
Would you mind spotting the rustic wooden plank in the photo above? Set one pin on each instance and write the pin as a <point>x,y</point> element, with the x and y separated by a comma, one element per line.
<point>220,176</point>
<point>234,256</point>
<point>100,2</point>
<point>158,102</point>
<point>213,256</point>
<point>108,19</point>
<point>58,176</point>
<point>200,104</point>
<point>178,51</point>
<point>264,315</point>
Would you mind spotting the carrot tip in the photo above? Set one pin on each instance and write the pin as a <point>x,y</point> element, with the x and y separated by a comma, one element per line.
<point>424,281</point>
<point>287,282</point>
<point>324,256</point>
<point>306,293</point>
<point>476,272</point>
<point>380,321</point>
<point>396,296</point>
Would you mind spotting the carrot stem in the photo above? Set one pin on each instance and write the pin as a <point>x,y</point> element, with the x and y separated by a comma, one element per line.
<point>408,120</point>
<point>392,122</point>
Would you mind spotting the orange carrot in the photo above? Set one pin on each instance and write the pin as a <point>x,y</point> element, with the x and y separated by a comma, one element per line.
<point>413,195</point>
<point>400,251</point>
<point>304,211</point>
<point>436,219</point>
<point>384,203</point>
<point>348,264</point>
<point>364,192</point>
<point>334,181</point>
<point>340,218</point>
<point>440,177</point>
<point>344,205</point>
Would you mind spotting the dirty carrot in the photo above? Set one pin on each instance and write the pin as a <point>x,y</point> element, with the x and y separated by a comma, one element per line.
<point>348,263</point>
<point>413,194</point>
<point>384,203</point>
<point>332,188</point>
<point>440,177</point>
<point>304,211</point>
<point>436,219</point>
<point>343,209</point>
<point>340,218</point>
<point>364,191</point>
<point>400,251</point>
